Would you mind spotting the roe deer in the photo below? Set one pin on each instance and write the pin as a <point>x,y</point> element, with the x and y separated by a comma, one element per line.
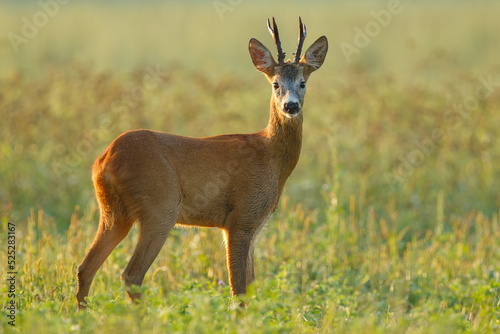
<point>232,182</point>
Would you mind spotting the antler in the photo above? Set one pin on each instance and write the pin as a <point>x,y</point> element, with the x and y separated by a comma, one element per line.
<point>302,37</point>
<point>276,37</point>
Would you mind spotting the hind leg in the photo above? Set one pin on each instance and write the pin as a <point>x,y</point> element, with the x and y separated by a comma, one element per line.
<point>153,233</point>
<point>105,241</point>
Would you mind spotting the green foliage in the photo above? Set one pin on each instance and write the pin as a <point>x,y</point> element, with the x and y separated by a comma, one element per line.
<point>337,277</point>
<point>389,223</point>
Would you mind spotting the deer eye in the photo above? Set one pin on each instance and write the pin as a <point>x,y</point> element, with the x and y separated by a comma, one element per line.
<point>276,85</point>
<point>302,84</point>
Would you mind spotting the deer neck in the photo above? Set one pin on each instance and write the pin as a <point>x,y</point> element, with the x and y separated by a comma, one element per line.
<point>284,140</point>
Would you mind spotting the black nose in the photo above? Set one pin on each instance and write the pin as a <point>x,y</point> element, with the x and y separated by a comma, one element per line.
<point>292,107</point>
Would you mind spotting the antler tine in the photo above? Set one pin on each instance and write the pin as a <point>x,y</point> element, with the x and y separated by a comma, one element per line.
<point>276,36</point>
<point>302,37</point>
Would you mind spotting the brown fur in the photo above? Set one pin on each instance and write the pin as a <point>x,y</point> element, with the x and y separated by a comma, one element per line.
<point>232,182</point>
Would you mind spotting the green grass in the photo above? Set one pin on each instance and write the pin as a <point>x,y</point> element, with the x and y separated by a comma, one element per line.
<point>383,227</point>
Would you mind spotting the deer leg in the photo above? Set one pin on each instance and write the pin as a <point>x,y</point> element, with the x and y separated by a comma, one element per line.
<point>237,247</point>
<point>152,236</point>
<point>104,243</point>
<point>250,270</point>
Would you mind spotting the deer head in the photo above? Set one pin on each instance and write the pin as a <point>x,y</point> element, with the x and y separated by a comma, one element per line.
<point>288,78</point>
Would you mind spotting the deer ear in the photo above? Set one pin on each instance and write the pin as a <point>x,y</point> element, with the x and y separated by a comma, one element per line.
<point>261,57</point>
<point>315,55</point>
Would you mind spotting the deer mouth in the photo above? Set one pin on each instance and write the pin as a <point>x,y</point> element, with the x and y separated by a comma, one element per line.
<point>291,109</point>
<point>291,114</point>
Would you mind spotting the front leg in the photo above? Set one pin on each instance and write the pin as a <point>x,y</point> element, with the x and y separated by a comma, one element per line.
<point>250,270</point>
<point>237,249</point>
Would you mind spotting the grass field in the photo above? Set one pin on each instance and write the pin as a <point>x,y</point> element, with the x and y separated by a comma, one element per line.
<point>389,224</point>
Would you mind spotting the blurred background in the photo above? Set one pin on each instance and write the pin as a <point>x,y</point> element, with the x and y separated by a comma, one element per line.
<point>394,124</point>
<point>211,36</point>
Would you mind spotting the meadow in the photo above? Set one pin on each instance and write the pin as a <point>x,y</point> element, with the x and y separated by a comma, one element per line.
<point>389,223</point>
